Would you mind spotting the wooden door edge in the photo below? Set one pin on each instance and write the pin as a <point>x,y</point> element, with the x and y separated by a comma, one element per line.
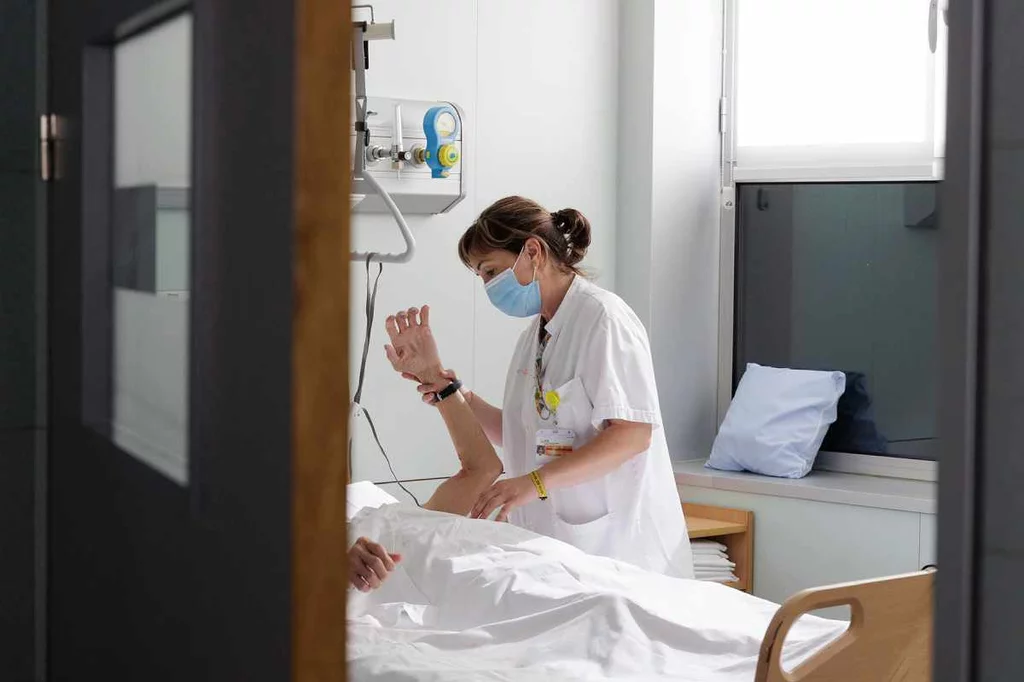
<point>320,329</point>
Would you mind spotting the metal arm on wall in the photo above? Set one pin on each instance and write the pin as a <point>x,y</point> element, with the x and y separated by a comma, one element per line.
<point>362,34</point>
<point>403,227</point>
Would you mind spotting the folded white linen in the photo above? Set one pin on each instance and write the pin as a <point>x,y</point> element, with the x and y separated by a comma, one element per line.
<point>712,571</point>
<point>727,578</point>
<point>713,561</point>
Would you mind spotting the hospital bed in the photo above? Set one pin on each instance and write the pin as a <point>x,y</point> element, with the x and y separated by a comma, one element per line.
<point>889,637</point>
<point>475,600</point>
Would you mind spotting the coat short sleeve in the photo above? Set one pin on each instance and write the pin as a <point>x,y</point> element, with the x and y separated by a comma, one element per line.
<point>618,372</point>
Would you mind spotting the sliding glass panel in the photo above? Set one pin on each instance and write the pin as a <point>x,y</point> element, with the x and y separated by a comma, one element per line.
<point>844,277</point>
<point>151,225</point>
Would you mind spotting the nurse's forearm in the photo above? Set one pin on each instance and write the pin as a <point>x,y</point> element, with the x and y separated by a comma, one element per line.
<point>488,415</point>
<point>610,449</point>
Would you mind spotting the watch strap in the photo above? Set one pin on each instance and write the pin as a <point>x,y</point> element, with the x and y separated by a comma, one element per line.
<point>449,390</point>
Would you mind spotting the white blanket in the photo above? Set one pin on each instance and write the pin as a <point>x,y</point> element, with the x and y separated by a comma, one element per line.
<point>477,600</point>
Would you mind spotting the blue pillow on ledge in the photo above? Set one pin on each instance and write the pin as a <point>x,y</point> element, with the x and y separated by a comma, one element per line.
<point>777,421</point>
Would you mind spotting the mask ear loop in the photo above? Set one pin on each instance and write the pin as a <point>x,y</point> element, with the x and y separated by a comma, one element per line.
<point>513,268</point>
<point>531,260</point>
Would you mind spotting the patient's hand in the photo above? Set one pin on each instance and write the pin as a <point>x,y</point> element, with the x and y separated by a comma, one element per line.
<point>413,351</point>
<point>369,564</point>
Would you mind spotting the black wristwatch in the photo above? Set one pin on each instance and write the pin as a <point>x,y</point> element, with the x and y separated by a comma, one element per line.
<point>449,390</point>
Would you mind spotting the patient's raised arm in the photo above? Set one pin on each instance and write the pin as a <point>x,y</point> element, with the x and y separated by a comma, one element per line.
<point>413,350</point>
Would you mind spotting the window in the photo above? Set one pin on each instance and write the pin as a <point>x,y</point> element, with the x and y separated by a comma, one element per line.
<point>832,149</point>
<point>837,90</point>
<point>844,277</point>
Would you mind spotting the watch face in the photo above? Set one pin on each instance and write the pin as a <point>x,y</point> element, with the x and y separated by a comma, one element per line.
<point>445,124</point>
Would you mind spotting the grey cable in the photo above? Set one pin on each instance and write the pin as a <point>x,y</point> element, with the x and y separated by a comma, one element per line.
<point>371,307</point>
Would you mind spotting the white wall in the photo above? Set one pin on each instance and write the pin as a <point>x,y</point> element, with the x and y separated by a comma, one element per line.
<point>670,83</point>
<point>636,156</point>
<point>538,82</point>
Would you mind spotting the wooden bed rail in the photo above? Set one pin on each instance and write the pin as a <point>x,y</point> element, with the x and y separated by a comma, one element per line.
<point>889,638</point>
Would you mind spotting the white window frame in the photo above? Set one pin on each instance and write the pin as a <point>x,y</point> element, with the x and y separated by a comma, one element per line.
<point>847,462</point>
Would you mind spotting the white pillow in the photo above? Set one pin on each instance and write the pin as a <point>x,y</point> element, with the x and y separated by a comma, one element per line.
<point>777,421</point>
<point>365,494</point>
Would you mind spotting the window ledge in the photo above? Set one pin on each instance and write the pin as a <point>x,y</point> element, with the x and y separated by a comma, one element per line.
<point>821,486</point>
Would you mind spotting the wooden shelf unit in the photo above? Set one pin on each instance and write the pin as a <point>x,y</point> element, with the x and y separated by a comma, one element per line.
<point>734,528</point>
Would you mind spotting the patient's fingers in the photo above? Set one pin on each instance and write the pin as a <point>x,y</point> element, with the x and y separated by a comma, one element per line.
<point>414,317</point>
<point>380,571</point>
<point>359,576</point>
<point>425,316</point>
<point>403,321</point>
<point>503,513</point>
<point>392,354</point>
<point>377,560</point>
<point>372,581</point>
<point>380,553</point>
<point>391,325</point>
<point>372,569</point>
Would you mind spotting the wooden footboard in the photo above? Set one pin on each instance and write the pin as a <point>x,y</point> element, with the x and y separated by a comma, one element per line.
<point>889,638</point>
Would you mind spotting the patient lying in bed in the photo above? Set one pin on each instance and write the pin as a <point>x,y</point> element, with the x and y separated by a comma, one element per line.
<point>473,599</point>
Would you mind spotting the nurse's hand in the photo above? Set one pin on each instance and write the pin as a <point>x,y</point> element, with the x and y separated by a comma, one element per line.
<point>428,392</point>
<point>412,350</point>
<point>506,495</point>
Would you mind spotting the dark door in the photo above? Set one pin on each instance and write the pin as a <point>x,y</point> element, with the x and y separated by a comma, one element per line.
<point>173,220</point>
<point>22,336</point>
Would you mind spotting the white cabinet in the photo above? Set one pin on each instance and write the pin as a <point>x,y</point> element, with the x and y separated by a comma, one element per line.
<point>929,530</point>
<point>802,543</point>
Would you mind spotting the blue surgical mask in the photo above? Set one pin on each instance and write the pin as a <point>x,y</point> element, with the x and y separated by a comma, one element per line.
<point>511,297</point>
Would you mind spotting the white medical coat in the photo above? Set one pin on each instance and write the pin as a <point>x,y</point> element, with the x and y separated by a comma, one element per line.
<point>598,358</point>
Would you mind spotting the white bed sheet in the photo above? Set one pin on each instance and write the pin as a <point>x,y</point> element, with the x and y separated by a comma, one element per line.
<point>478,600</point>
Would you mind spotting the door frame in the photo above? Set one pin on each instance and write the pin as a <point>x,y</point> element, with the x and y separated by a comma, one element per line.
<point>961,338</point>
<point>320,388</point>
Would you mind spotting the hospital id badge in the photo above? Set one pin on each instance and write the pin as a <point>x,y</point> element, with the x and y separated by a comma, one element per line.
<point>555,442</point>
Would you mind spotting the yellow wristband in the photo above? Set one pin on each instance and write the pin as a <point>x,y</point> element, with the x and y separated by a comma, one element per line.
<point>542,492</point>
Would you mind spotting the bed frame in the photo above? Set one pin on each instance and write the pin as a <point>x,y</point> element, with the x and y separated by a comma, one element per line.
<point>889,638</point>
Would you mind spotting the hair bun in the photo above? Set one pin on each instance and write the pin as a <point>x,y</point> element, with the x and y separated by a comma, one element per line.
<point>575,228</point>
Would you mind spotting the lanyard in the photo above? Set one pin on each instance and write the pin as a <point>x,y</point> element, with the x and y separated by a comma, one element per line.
<point>543,411</point>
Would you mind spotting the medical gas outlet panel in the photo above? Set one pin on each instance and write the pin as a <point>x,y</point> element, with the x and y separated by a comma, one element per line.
<point>414,150</point>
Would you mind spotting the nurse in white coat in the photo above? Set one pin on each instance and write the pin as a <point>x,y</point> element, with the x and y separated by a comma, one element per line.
<point>580,425</point>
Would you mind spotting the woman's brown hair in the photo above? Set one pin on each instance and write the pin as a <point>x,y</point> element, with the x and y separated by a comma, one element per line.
<point>507,224</point>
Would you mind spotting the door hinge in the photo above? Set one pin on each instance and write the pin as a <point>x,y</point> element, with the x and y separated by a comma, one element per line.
<point>51,147</point>
<point>723,115</point>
